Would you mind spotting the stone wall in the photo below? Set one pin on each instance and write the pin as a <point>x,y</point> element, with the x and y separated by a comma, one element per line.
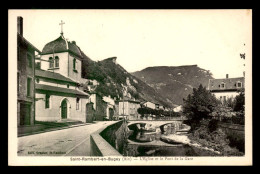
<point>109,141</point>
<point>236,135</point>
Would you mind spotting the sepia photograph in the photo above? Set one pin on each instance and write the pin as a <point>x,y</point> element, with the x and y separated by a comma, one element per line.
<point>129,87</point>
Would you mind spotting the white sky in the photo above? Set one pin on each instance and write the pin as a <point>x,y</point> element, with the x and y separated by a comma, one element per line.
<point>212,39</point>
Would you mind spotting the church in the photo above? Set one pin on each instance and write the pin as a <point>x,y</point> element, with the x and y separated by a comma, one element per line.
<point>57,81</point>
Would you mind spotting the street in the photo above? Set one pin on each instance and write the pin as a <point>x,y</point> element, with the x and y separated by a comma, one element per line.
<point>67,142</point>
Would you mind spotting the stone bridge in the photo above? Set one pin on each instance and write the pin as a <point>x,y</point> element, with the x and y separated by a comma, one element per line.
<point>153,123</point>
<point>170,126</point>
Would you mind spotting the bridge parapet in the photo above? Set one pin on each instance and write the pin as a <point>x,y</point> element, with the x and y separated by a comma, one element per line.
<point>154,123</point>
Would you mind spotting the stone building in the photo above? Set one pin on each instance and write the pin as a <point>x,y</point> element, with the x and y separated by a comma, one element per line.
<point>99,106</point>
<point>151,105</point>
<point>25,78</point>
<point>128,108</point>
<point>58,97</point>
<point>227,87</point>
<point>110,111</point>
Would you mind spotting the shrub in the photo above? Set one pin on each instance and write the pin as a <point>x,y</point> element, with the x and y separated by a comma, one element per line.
<point>216,139</point>
<point>213,125</point>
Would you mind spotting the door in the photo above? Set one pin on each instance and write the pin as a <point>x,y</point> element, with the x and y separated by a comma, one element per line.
<point>64,109</point>
<point>25,114</point>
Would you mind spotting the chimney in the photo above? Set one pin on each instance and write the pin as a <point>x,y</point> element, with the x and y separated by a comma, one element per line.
<point>73,42</point>
<point>226,76</point>
<point>244,73</point>
<point>20,25</point>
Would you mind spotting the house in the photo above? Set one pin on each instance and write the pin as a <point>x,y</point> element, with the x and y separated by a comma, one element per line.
<point>99,106</point>
<point>226,88</point>
<point>58,97</point>
<point>128,108</point>
<point>26,53</point>
<point>110,111</point>
<point>161,107</point>
<point>151,105</point>
<point>178,108</point>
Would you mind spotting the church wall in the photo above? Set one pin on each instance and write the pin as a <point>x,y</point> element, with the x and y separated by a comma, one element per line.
<point>72,74</point>
<point>51,83</point>
<point>54,112</point>
<point>63,63</point>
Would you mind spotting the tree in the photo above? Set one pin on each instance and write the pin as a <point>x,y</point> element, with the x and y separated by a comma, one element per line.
<point>199,105</point>
<point>240,102</point>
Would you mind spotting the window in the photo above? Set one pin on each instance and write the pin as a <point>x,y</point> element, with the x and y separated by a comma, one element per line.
<point>74,64</point>
<point>77,103</point>
<point>68,85</point>
<point>239,84</point>
<point>222,85</point>
<point>29,60</point>
<point>29,81</point>
<point>51,62</point>
<point>37,80</point>
<point>56,61</point>
<point>38,65</point>
<point>47,101</point>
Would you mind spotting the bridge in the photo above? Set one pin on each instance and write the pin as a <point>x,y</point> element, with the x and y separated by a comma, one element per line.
<point>168,126</point>
<point>153,123</point>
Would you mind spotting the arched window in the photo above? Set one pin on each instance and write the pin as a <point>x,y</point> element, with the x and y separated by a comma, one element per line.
<point>47,101</point>
<point>51,62</point>
<point>56,61</point>
<point>74,64</point>
<point>77,103</point>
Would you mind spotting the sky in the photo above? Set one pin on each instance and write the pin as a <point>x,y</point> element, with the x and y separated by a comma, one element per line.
<point>212,39</point>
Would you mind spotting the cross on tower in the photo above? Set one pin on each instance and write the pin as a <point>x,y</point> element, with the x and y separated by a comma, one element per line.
<point>61,26</point>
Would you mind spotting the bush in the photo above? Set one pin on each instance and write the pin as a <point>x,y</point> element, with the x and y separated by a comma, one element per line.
<point>213,125</point>
<point>216,139</point>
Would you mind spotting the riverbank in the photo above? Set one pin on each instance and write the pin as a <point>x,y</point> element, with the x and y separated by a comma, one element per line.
<point>184,139</point>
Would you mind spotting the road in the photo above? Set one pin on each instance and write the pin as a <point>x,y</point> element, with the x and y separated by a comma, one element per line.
<point>66,142</point>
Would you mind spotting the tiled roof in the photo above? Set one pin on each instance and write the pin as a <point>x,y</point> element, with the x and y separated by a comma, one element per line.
<point>230,84</point>
<point>53,75</point>
<point>60,90</point>
<point>130,100</point>
<point>60,45</point>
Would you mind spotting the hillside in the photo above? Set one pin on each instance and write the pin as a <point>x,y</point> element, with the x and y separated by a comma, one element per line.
<point>115,81</point>
<point>174,83</point>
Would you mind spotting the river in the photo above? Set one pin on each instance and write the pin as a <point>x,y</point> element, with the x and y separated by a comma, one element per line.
<point>151,143</point>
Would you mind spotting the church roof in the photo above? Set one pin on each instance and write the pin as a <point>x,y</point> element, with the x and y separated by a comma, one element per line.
<point>230,84</point>
<point>61,45</point>
<point>59,90</point>
<point>53,76</point>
